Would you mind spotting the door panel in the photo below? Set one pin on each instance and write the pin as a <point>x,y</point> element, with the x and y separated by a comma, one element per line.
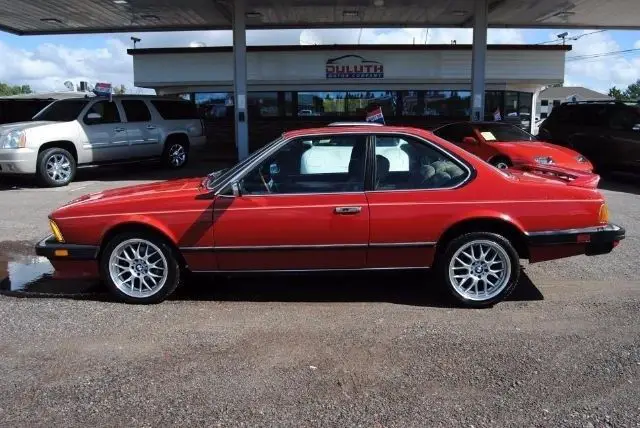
<point>144,135</point>
<point>106,137</point>
<point>281,232</point>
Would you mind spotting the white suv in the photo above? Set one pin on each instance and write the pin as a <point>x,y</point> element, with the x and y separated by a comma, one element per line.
<point>84,131</point>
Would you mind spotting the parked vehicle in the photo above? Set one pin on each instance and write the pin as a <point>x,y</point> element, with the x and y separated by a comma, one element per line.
<point>607,133</point>
<point>83,131</point>
<point>504,145</point>
<point>448,210</point>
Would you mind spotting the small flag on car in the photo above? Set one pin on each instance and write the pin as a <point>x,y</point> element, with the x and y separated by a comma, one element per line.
<point>375,116</point>
<point>103,90</point>
<point>496,115</point>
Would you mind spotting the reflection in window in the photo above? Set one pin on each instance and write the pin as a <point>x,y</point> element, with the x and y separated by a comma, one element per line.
<point>360,102</point>
<point>214,105</point>
<point>262,104</point>
<point>321,103</point>
<point>437,103</point>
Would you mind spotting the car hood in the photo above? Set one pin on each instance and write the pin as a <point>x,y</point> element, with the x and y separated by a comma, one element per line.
<point>526,152</point>
<point>5,129</point>
<point>142,198</point>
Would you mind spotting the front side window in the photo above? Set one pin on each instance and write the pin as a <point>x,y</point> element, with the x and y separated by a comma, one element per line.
<point>625,119</point>
<point>102,112</point>
<point>501,133</point>
<point>62,111</point>
<point>326,164</point>
<point>413,164</point>
<point>136,111</point>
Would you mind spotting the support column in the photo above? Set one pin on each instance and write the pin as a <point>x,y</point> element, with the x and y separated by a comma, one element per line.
<point>240,79</point>
<point>479,59</point>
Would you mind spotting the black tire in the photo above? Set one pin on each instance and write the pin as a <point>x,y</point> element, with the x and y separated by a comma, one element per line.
<point>501,162</point>
<point>176,147</point>
<point>445,261</point>
<point>165,289</point>
<point>66,175</point>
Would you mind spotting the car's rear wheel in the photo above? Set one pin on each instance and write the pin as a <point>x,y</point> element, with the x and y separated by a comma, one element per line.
<point>140,268</point>
<point>479,269</point>
<point>501,162</point>
<point>56,167</point>
<point>176,152</point>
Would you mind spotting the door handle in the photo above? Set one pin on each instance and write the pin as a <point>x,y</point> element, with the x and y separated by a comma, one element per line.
<point>119,129</point>
<point>151,127</point>
<point>348,210</point>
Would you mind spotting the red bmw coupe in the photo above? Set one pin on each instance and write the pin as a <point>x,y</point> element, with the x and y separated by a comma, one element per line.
<point>358,197</point>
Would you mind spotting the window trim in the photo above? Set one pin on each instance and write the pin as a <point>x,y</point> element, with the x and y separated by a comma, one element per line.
<point>369,172</point>
<point>243,173</point>
<point>471,172</point>
<point>90,106</point>
<point>124,110</point>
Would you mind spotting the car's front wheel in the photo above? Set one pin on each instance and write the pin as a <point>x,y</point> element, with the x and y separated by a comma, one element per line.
<point>501,163</point>
<point>56,167</point>
<point>479,269</point>
<point>140,268</point>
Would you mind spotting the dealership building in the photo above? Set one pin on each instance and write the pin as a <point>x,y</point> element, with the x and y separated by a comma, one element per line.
<point>291,87</point>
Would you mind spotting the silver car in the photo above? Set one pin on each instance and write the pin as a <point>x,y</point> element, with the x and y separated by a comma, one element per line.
<point>89,131</point>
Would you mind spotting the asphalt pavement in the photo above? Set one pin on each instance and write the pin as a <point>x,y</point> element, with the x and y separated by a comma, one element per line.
<point>330,350</point>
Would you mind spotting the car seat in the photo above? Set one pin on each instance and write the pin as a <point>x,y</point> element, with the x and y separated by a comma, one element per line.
<point>382,170</point>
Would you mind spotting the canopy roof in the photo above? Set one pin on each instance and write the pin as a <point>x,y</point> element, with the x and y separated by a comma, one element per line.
<point>29,17</point>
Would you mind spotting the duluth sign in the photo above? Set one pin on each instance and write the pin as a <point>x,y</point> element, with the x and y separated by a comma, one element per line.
<point>353,67</point>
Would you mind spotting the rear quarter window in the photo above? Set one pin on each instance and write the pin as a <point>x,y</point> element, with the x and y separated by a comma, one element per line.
<point>175,110</point>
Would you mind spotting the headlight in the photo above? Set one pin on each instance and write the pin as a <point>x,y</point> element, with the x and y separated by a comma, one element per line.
<point>544,160</point>
<point>581,159</point>
<point>56,231</point>
<point>14,140</point>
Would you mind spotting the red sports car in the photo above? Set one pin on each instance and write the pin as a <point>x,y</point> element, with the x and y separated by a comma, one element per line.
<point>334,198</point>
<point>504,145</point>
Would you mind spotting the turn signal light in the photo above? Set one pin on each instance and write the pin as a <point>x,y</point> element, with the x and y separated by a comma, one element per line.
<point>56,231</point>
<point>603,214</point>
<point>61,253</point>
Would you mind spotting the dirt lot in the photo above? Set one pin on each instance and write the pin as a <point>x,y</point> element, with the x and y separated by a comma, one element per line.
<point>348,350</point>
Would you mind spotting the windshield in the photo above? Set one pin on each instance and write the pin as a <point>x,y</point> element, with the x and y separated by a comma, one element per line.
<point>500,133</point>
<point>62,111</point>
<point>218,177</point>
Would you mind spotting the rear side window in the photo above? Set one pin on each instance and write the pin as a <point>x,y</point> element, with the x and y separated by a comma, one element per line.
<point>136,111</point>
<point>455,133</point>
<point>175,110</point>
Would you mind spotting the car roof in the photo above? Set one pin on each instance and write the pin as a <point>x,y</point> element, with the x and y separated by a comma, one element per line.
<point>375,129</point>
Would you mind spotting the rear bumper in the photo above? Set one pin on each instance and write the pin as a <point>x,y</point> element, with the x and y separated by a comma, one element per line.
<point>53,250</point>
<point>18,161</point>
<point>596,240</point>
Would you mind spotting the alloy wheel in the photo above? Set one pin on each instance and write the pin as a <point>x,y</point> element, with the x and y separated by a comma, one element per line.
<point>480,270</point>
<point>58,168</point>
<point>138,268</point>
<point>177,155</point>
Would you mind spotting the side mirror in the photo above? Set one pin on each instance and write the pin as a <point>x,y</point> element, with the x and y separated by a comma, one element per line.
<point>636,127</point>
<point>94,117</point>
<point>469,140</point>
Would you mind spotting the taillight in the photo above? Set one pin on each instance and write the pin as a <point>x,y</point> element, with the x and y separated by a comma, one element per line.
<point>603,214</point>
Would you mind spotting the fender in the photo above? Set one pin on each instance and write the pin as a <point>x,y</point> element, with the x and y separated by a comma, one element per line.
<point>142,220</point>
<point>483,214</point>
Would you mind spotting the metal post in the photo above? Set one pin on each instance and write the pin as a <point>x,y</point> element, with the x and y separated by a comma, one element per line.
<point>479,59</point>
<point>240,79</point>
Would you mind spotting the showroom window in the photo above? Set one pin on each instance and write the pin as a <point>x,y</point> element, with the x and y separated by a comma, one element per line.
<point>321,103</point>
<point>544,103</point>
<point>214,105</point>
<point>263,104</point>
<point>360,102</point>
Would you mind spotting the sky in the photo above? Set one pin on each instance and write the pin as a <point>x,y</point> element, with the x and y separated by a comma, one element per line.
<point>46,62</point>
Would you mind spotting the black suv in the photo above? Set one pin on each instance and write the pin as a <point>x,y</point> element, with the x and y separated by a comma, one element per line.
<point>607,133</point>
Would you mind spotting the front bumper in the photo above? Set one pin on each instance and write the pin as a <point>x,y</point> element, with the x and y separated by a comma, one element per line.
<point>50,248</point>
<point>18,161</point>
<point>597,240</point>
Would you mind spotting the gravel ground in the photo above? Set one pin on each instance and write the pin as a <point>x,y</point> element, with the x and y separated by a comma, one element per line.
<point>348,350</point>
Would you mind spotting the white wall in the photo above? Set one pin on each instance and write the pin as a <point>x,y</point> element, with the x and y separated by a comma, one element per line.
<point>297,69</point>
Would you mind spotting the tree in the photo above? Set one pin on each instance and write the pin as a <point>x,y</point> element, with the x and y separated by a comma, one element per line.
<point>617,94</point>
<point>6,90</point>
<point>120,90</point>
<point>633,91</point>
